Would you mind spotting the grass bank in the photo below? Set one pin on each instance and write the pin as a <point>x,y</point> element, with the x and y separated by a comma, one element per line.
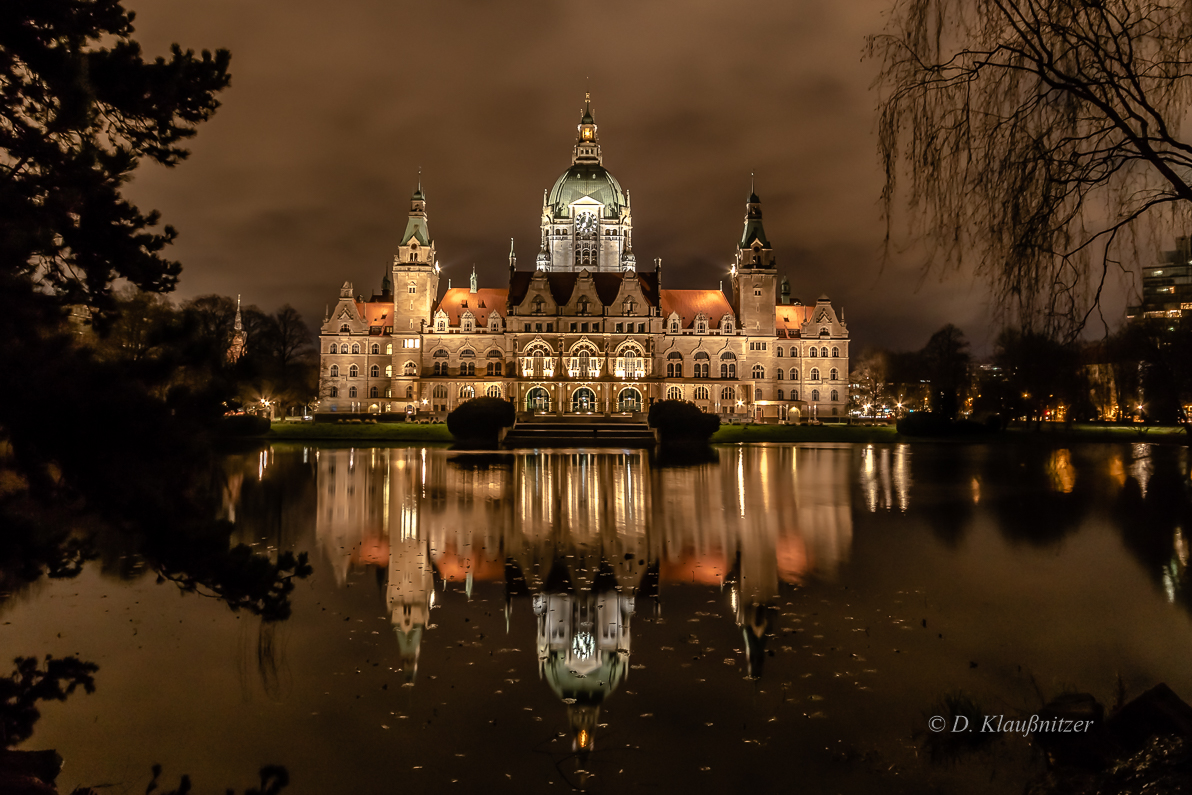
<point>367,432</point>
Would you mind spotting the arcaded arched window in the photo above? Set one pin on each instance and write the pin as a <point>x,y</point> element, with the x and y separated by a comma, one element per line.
<point>794,394</point>
<point>779,374</point>
<point>334,392</point>
<point>835,396</point>
<point>780,394</point>
<point>674,393</point>
<point>335,371</point>
<point>835,352</point>
<point>701,393</point>
<point>759,371</point>
<point>824,352</point>
<point>376,349</point>
<point>374,372</point>
<point>355,347</point>
<point>409,368</point>
<point>333,349</point>
<point>779,351</point>
<point>702,365</point>
<point>352,392</point>
<point>440,390</point>
<point>409,392</point>
<point>344,329</point>
<point>728,393</point>
<point>794,352</point>
<point>757,394</point>
<point>815,374</point>
<point>494,391</point>
<point>833,374</point>
<point>794,375</point>
<point>815,395</point>
<point>373,392</point>
<point>811,352</point>
<point>466,392</point>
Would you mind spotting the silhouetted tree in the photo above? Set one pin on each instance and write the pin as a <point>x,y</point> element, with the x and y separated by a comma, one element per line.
<point>945,362</point>
<point>1033,132</point>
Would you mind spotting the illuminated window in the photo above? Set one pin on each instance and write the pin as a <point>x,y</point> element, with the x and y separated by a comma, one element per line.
<point>728,393</point>
<point>467,392</point>
<point>494,391</point>
<point>674,393</point>
<point>701,393</point>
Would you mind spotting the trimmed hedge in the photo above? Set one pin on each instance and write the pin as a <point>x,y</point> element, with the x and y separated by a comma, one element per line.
<point>481,419</point>
<point>926,423</point>
<point>242,425</point>
<point>680,421</point>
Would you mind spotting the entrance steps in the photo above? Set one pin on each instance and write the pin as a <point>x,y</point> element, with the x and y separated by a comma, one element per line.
<point>580,432</point>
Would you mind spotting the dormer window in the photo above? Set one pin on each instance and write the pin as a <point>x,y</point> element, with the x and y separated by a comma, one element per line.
<point>538,304</point>
<point>413,288</point>
<point>674,327</point>
<point>440,325</point>
<point>727,325</point>
<point>629,306</point>
<point>583,306</point>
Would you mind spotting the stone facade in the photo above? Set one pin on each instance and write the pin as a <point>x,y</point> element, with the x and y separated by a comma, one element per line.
<point>585,332</point>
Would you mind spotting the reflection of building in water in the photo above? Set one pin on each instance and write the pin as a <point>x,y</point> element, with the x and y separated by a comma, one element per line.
<point>886,477</point>
<point>583,651</point>
<point>602,522</point>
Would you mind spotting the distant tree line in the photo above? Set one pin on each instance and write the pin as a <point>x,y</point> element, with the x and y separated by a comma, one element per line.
<point>1141,372</point>
<point>179,353</point>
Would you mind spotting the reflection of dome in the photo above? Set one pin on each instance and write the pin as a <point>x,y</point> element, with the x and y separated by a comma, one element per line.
<point>587,180</point>
<point>587,689</point>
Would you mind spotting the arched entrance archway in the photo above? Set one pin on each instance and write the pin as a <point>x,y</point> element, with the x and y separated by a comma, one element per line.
<point>583,400</point>
<point>537,399</point>
<point>629,400</point>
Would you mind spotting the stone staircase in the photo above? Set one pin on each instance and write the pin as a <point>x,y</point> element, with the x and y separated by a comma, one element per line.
<point>580,432</point>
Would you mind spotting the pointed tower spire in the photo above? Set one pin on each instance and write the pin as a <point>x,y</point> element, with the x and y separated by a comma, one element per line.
<point>587,144</point>
<point>239,324</point>
<point>472,281</point>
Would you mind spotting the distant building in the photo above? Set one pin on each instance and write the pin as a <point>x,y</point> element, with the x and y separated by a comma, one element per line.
<point>1167,287</point>
<point>239,342</point>
<point>584,331</point>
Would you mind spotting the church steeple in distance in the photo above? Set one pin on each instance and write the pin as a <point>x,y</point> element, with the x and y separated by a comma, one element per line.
<point>587,144</point>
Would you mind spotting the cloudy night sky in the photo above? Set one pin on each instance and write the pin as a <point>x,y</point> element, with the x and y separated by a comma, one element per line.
<point>302,179</point>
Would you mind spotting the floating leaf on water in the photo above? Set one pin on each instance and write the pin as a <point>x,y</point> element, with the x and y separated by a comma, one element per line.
<point>646,715</point>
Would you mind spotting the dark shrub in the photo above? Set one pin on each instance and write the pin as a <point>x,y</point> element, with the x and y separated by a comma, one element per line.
<point>680,421</point>
<point>480,419</point>
<point>242,425</point>
<point>924,423</point>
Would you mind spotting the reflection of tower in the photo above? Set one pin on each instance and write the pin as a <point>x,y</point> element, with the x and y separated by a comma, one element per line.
<point>583,652</point>
<point>410,595</point>
<point>754,611</point>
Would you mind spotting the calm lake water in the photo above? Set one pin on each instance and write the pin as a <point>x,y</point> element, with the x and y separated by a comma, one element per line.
<point>781,618</point>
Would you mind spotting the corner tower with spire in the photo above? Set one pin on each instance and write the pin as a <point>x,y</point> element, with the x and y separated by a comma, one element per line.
<point>753,273</point>
<point>415,271</point>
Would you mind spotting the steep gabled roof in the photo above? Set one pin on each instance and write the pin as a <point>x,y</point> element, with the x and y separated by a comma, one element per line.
<point>690,303</point>
<point>481,304</point>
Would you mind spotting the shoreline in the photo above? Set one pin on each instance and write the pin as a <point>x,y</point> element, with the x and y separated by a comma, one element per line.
<point>1018,433</point>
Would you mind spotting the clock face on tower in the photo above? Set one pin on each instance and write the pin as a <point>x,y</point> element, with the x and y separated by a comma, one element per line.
<point>586,223</point>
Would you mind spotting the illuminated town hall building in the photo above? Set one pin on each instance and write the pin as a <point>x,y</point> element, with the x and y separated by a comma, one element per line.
<point>585,332</point>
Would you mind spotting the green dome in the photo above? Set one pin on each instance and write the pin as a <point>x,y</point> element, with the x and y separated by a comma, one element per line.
<point>587,179</point>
